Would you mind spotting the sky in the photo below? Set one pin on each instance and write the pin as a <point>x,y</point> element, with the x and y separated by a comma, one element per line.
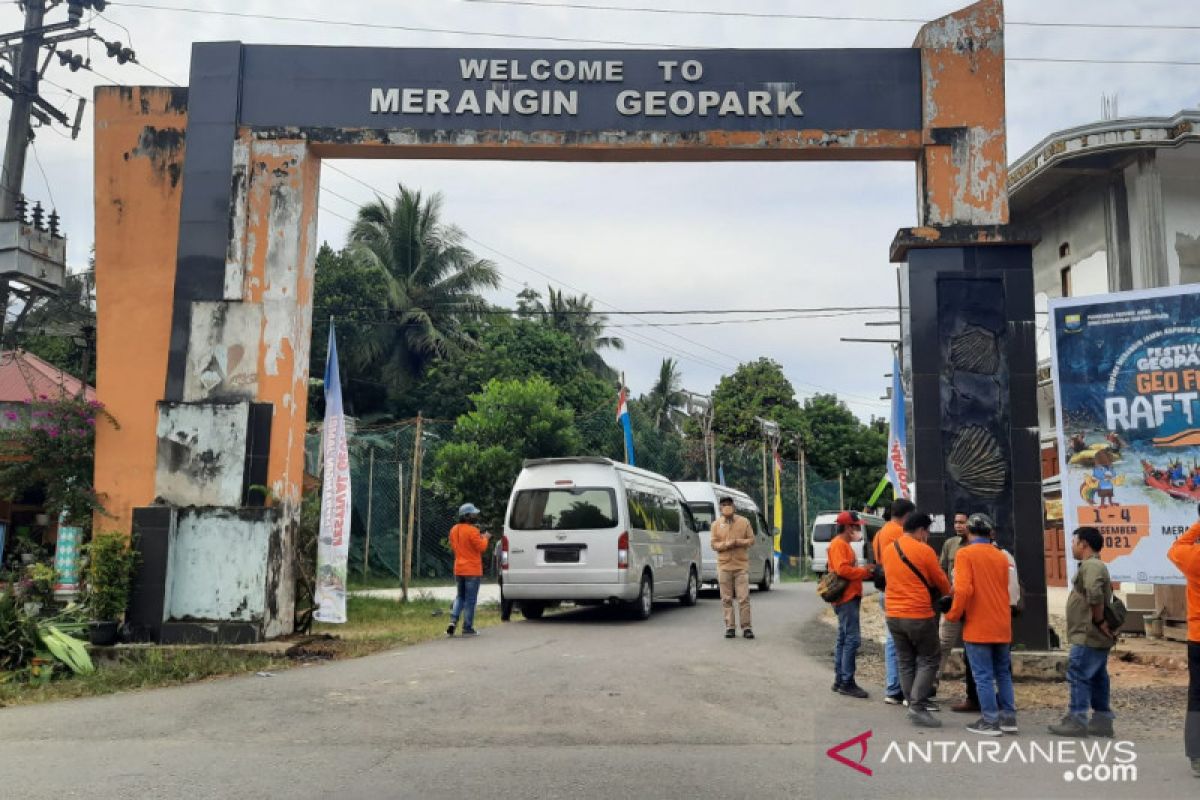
<point>654,236</point>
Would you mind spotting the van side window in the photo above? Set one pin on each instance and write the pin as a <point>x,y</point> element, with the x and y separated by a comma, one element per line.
<point>650,511</point>
<point>689,522</point>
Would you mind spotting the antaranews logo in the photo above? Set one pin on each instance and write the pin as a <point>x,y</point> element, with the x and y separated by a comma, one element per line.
<point>1086,761</point>
<point>860,741</point>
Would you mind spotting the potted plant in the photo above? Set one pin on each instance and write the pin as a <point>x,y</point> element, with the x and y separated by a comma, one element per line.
<point>110,573</point>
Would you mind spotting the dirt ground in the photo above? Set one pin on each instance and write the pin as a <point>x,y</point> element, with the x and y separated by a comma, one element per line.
<point>1145,696</point>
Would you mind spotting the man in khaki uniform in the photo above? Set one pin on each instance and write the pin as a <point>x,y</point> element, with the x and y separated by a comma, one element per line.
<point>731,541</point>
<point>1091,640</point>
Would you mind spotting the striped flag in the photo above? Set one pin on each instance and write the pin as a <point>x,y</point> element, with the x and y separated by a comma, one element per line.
<point>623,419</point>
<point>333,538</point>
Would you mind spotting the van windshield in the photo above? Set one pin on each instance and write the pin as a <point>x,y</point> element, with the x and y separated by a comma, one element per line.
<point>704,513</point>
<point>823,532</point>
<point>573,509</point>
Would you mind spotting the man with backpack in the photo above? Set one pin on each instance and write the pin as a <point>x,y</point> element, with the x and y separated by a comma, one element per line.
<point>843,563</point>
<point>983,606</point>
<point>1091,639</point>
<point>913,578</point>
<point>1185,554</point>
<point>891,531</point>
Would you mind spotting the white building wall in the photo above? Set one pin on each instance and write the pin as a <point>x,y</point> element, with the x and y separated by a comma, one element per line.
<point>1077,222</point>
<point>1180,175</point>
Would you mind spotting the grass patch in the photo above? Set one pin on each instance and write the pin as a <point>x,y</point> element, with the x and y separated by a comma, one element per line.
<point>374,624</point>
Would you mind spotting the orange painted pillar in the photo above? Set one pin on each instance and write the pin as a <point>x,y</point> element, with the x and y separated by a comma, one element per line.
<point>138,153</point>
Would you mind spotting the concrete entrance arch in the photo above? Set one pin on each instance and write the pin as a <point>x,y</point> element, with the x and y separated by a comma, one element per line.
<point>206,209</point>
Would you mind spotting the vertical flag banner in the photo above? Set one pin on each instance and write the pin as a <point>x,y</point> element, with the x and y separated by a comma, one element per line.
<point>721,474</point>
<point>777,521</point>
<point>333,540</point>
<point>1126,371</point>
<point>623,418</point>
<point>897,457</point>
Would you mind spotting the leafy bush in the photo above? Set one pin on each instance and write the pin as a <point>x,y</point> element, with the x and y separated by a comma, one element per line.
<point>54,441</point>
<point>18,638</point>
<point>110,573</point>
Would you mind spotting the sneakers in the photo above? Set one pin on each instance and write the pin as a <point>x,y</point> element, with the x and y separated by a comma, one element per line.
<point>450,629</point>
<point>981,727</point>
<point>921,718</point>
<point>965,707</point>
<point>929,705</point>
<point>1008,724</point>
<point>1101,726</point>
<point>837,686</point>
<point>894,699</point>
<point>749,634</point>
<point>1070,727</point>
<point>470,632</point>
<point>730,633</point>
<point>853,690</point>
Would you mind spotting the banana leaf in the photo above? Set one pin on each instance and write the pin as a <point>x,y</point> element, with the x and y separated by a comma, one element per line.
<point>68,650</point>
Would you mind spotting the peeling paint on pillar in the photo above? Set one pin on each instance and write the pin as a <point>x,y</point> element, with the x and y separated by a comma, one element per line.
<point>964,170</point>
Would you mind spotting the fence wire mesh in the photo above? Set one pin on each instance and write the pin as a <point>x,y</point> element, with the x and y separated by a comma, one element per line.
<point>384,502</point>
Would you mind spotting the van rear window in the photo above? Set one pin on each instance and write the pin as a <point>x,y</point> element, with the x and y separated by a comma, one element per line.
<point>575,509</point>
<point>823,533</point>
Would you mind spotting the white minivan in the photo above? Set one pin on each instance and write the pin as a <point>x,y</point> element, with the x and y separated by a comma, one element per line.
<point>702,498</point>
<point>823,529</point>
<point>588,529</point>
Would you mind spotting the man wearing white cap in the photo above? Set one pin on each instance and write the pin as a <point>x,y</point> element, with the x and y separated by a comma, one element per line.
<point>468,544</point>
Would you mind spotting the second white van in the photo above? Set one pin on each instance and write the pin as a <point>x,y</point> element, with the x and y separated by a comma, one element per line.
<point>702,498</point>
<point>589,529</point>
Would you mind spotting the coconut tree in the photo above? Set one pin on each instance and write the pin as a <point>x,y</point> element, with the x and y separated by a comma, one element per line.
<point>666,399</point>
<point>432,284</point>
<point>577,317</point>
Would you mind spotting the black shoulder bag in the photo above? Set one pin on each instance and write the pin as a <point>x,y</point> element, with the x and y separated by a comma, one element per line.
<point>941,602</point>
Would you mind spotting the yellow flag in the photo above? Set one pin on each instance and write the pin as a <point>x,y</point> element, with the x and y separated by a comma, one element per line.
<point>778,521</point>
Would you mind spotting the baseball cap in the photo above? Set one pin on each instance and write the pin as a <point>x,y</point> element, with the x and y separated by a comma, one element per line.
<point>849,518</point>
<point>467,508</point>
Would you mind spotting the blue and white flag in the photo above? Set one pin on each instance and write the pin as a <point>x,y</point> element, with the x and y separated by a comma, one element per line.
<point>623,418</point>
<point>333,540</point>
<point>721,474</point>
<point>897,457</point>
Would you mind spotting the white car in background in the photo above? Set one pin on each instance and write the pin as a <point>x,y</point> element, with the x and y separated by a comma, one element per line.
<point>824,528</point>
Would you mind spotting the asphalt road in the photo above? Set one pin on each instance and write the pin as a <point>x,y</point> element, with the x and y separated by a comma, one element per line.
<point>578,705</point>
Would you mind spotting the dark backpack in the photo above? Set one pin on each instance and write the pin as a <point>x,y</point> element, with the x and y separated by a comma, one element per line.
<point>1115,613</point>
<point>831,587</point>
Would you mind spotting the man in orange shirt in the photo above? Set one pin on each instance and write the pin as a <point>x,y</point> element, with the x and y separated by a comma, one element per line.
<point>890,532</point>
<point>913,576</point>
<point>468,545</point>
<point>1185,554</point>
<point>844,563</point>
<point>982,602</point>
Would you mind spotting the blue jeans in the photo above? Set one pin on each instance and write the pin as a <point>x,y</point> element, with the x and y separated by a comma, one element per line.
<point>1087,675</point>
<point>889,656</point>
<point>848,640</point>
<point>991,666</point>
<point>464,601</point>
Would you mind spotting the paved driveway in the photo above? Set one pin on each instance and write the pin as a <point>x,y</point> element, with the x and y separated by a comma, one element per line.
<point>578,705</point>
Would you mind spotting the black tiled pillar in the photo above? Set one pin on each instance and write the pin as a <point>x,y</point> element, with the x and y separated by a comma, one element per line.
<point>973,383</point>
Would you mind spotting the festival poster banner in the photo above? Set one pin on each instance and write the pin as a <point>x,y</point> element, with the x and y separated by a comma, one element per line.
<point>333,538</point>
<point>1126,371</point>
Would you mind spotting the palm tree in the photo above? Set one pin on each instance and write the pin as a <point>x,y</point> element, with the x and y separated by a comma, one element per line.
<point>432,283</point>
<point>666,399</point>
<point>577,317</point>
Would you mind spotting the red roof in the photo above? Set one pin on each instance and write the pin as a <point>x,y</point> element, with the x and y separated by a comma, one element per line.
<point>24,376</point>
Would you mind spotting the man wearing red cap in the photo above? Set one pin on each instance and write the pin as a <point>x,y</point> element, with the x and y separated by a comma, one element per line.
<point>842,561</point>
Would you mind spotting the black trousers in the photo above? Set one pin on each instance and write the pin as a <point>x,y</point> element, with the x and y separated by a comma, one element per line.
<point>1191,734</point>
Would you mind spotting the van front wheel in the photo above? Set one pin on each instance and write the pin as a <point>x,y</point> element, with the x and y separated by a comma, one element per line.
<point>644,604</point>
<point>689,597</point>
<point>532,610</point>
<point>768,573</point>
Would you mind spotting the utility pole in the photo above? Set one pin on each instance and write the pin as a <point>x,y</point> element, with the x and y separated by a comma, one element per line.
<point>701,405</point>
<point>19,128</point>
<point>803,505</point>
<point>841,491</point>
<point>412,510</point>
